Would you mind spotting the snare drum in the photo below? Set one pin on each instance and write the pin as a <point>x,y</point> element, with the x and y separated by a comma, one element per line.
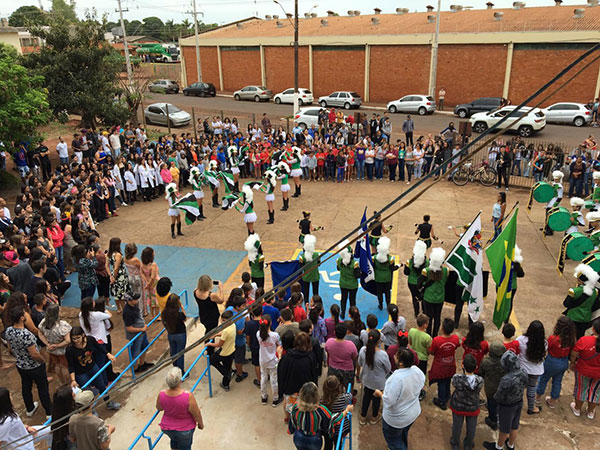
<point>543,192</point>
<point>593,261</point>
<point>578,246</point>
<point>559,218</point>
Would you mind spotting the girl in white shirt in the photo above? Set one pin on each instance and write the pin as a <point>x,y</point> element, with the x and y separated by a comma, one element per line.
<point>130,184</point>
<point>268,358</point>
<point>93,324</point>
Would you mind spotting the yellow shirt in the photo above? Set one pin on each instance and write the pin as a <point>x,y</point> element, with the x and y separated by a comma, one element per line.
<point>162,301</point>
<point>228,339</point>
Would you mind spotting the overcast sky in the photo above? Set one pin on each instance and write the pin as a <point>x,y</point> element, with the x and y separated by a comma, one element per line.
<point>224,11</point>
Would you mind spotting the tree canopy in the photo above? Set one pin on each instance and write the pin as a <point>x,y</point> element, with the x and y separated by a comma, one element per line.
<point>23,98</point>
<point>81,70</point>
<point>26,16</point>
<point>159,30</point>
<point>64,9</point>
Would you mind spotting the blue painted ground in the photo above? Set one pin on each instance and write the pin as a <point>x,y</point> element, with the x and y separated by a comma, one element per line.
<point>183,265</point>
<point>329,290</point>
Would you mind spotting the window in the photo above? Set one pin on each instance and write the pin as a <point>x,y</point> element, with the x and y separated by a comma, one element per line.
<point>334,95</point>
<point>288,92</point>
<point>155,110</point>
<point>431,99</point>
<point>306,91</point>
<point>246,89</point>
<point>354,94</point>
<point>312,112</point>
<point>173,109</point>
<point>559,107</point>
<point>501,113</point>
<point>343,95</point>
<point>406,99</point>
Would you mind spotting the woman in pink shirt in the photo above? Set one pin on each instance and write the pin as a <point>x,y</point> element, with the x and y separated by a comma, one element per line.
<point>341,356</point>
<point>181,413</point>
<point>57,235</point>
<point>165,174</point>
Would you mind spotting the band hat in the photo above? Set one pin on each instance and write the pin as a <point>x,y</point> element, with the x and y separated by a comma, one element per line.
<point>576,201</point>
<point>170,189</point>
<point>593,216</point>
<point>419,250</point>
<point>558,174</point>
<point>437,258</point>
<point>518,255</point>
<point>596,175</point>
<point>589,277</point>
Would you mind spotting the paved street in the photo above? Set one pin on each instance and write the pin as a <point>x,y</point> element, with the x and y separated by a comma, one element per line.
<point>561,134</point>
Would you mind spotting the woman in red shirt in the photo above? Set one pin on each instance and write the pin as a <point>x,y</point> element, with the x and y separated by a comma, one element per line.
<point>557,362</point>
<point>474,344</point>
<point>585,360</point>
<point>350,160</point>
<point>321,157</point>
<point>443,349</point>
<point>57,235</point>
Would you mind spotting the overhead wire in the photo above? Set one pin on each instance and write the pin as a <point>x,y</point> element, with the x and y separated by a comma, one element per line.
<point>353,235</point>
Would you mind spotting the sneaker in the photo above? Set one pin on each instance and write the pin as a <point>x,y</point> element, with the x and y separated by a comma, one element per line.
<point>227,388</point>
<point>590,415</point>
<point>114,406</point>
<point>277,401</point>
<point>576,412</point>
<point>263,400</point>
<point>35,407</point>
<point>124,204</point>
<point>490,423</point>
<point>241,377</point>
<point>362,420</point>
<point>437,402</point>
<point>549,402</point>
<point>422,395</point>
<point>375,420</point>
<point>256,383</point>
<point>489,445</point>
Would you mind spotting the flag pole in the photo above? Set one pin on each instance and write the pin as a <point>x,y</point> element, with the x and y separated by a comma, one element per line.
<point>460,238</point>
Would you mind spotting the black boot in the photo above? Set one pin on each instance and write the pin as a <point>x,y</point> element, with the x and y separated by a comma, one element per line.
<point>271,217</point>
<point>236,186</point>
<point>201,209</point>
<point>299,190</point>
<point>296,191</point>
<point>179,233</point>
<point>250,232</point>
<point>216,201</point>
<point>286,202</point>
<point>173,230</point>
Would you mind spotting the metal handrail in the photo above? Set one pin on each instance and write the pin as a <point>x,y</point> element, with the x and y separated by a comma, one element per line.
<point>206,371</point>
<point>341,440</point>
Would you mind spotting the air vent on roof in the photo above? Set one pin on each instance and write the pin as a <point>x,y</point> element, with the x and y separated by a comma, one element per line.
<point>429,8</point>
<point>557,2</point>
<point>279,24</point>
<point>356,12</point>
<point>374,21</point>
<point>518,5</point>
<point>350,12</point>
<point>289,15</point>
<point>401,10</point>
<point>592,3</point>
<point>431,19</point>
<point>456,8</point>
<point>489,5</point>
<point>268,17</point>
<point>275,16</point>
<point>324,22</point>
<point>307,15</point>
<point>313,15</point>
<point>498,15</point>
<point>330,13</point>
<point>377,10</point>
<point>578,13</point>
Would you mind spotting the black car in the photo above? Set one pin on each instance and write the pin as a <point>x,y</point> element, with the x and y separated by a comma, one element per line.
<point>200,89</point>
<point>479,105</point>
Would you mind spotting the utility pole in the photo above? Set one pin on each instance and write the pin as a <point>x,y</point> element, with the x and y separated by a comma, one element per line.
<point>198,69</point>
<point>295,56</point>
<point>434,52</point>
<point>126,48</point>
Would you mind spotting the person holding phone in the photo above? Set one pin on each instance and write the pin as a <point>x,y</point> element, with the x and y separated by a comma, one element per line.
<point>208,303</point>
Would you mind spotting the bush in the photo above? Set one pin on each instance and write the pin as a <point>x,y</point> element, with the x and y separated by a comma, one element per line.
<point>8,180</point>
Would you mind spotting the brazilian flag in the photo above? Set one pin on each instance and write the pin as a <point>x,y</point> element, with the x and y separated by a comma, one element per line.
<point>501,254</point>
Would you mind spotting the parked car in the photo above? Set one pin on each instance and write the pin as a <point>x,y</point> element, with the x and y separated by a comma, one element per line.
<point>576,114</point>
<point>256,93</point>
<point>200,89</point>
<point>305,97</point>
<point>164,86</point>
<point>346,99</point>
<point>156,113</point>
<point>534,120</point>
<point>479,105</point>
<point>305,117</point>
<point>421,104</point>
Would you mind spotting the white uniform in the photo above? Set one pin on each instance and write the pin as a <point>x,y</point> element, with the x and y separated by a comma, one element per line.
<point>580,221</point>
<point>172,211</point>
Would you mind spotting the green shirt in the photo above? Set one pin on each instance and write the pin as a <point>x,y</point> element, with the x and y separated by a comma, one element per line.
<point>583,312</point>
<point>420,342</point>
<point>257,268</point>
<point>413,276</point>
<point>347,278</point>
<point>313,275</point>
<point>436,292</point>
<point>383,271</point>
<point>595,237</point>
<point>596,194</point>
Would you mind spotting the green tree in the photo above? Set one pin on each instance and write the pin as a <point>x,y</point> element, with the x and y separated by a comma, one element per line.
<point>27,15</point>
<point>81,70</point>
<point>67,11</point>
<point>133,28</point>
<point>153,26</point>
<point>23,98</point>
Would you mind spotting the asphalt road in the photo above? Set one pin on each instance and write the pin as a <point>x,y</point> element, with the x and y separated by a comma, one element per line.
<point>569,136</point>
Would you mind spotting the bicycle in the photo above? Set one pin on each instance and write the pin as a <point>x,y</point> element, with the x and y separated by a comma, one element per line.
<point>485,174</point>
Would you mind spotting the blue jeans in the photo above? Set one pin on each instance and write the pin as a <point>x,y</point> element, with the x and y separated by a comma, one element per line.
<point>492,407</point>
<point>554,368</point>
<point>180,440</point>
<point>497,228</point>
<point>60,257</point>
<point>400,170</point>
<point>360,169</point>
<point>139,344</point>
<point>340,174</point>
<point>98,382</point>
<point>64,161</point>
<point>444,390</point>
<point>176,344</point>
<point>369,171</point>
<point>516,163</point>
<point>330,173</point>
<point>427,164</point>
<point>396,438</point>
<point>304,441</point>
<point>379,169</point>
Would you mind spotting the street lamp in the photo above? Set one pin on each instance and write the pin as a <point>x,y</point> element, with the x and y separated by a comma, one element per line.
<point>295,26</point>
<point>434,52</point>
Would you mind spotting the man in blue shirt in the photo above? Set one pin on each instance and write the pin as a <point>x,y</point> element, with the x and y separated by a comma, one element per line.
<point>239,357</point>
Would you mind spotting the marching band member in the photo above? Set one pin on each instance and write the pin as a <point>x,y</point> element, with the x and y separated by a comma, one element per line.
<point>196,181</point>
<point>283,171</point>
<point>171,197</point>
<point>268,187</point>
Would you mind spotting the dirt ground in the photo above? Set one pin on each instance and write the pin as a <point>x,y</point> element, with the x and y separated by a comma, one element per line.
<point>338,207</point>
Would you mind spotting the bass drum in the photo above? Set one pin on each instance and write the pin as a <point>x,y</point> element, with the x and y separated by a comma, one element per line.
<point>559,218</point>
<point>578,246</point>
<point>543,192</point>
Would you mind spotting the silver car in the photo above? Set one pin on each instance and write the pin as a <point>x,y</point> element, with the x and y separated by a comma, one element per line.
<point>346,99</point>
<point>256,93</point>
<point>576,114</point>
<point>421,104</point>
<point>164,86</point>
<point>156,113</point>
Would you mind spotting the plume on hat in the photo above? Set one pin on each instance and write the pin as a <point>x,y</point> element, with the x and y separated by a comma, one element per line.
<point>213,164</point>
<point>437,258</point>
<point>345,252</point>
<point>419,251</point>
<point>251,245</point>
<point>558,174</point>
<point>247,191</point>
<point>170,189</point>
<point>518,255</point>
<point>590,277</point>
<point>310,242</point>
<point>194,172</point>
<point>282,165</point>
<point>383,249</point>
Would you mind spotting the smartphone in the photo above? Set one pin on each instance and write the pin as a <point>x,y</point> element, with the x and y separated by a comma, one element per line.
<point>216,282</point>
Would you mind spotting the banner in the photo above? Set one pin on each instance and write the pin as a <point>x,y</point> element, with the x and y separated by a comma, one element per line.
<point>188,204</point>
<point>501,254</point>
<point>466,258</point>
<point>281,270</point>
<point>362,251</point>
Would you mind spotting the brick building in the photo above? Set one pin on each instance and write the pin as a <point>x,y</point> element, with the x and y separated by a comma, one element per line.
<point>492,52</point>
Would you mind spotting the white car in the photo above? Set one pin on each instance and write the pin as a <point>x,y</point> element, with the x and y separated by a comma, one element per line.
<point>305,97</point>
<point>421,104</point>
<point>305,117</point>
<point>534,120</point>
<point>576,114</point>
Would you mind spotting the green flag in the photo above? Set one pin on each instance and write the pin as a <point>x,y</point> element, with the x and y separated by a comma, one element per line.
<point>501,254</point>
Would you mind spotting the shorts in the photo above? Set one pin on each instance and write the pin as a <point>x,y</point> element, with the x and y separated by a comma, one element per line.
<point>270,197</point>
<point>235,170</point>
<point>296,173</point>
<point>254,352</point>
<point>239,355</point>
<point>199,194</point>
<point>23,171</point>
<point>250,218</point>
<point>285,188</point>
<point>509,417</point>
<point>173,212</point>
